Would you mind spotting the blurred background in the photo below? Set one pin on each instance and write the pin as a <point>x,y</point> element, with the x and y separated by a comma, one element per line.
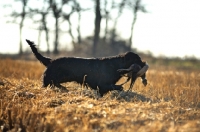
<point>86,28</point>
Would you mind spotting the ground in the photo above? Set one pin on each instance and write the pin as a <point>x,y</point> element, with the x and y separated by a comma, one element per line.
<point>169,103</point>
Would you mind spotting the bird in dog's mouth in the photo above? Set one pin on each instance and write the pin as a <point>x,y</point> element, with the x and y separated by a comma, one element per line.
<point>133,72</point>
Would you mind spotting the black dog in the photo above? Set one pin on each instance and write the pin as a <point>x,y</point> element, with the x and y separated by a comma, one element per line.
<point>97,73</point>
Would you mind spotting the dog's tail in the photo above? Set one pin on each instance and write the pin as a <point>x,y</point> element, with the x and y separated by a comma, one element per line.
<point>44,60</point>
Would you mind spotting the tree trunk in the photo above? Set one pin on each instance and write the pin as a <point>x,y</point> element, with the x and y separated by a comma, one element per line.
<point>132,27</point>
<point>106,30</point>
<point>97,26</point>
<point>56,13</point>
<point>113,33</point>
<point>47,39</point>
<point>46,30</point>
<point>39,35</point>
<point>20,30</point>
<point>135,10</point>
<point>70,31</point>
<point>56,37</point>
<point>78,28</point>
<point>106,17</point>
<point>20,39</point>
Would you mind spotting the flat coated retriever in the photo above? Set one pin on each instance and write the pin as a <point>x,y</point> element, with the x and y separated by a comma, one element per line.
<point>97,73</point>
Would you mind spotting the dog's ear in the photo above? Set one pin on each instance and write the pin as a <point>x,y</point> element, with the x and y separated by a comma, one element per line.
<point>132,58</point>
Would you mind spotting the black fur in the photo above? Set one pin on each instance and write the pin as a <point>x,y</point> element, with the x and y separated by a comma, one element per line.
<point>100,73</point>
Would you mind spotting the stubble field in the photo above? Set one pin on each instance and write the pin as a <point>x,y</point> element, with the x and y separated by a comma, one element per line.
<point>169,103</point>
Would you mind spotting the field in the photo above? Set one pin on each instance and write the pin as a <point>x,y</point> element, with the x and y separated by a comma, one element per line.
<point>169,103</point>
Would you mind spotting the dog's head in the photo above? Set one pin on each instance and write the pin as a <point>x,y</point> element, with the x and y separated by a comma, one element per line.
<point>134,62</point>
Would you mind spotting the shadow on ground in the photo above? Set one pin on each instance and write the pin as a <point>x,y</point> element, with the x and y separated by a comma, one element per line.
<point>128,96</point>
<point>113,95</point>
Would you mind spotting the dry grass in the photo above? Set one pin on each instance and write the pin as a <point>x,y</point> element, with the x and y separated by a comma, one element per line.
<point>170,103</point>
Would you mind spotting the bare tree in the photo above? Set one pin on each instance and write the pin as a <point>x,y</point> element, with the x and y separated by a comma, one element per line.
<point>135,6</point>
<point>97,25</point>
<point>107,17</point>
<point>22,15</point>
<point>57,13</point>
<point>121,7</point>
<point>67,18</point>
<point>79,10</point>
<point>54,9</point>
<point>45,28</point>
<point>44,11</point>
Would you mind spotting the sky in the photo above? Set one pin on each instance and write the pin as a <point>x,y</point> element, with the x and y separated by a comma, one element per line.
<point>170,28</point>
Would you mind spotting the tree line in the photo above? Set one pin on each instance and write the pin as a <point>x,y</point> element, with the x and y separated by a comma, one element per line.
<point>55,10</point>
